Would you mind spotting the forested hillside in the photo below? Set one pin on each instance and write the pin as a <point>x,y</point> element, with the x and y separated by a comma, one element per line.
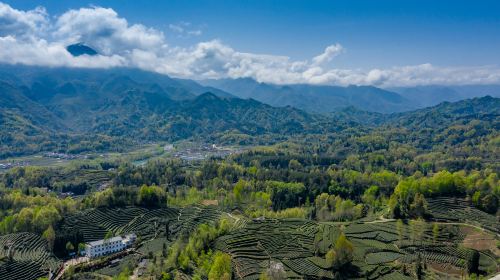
<point>52,112</point>
<point>401,196</point>
<point>57,109</point>
<point>249,140</point>
<point>316,99</point>
<point>361,194</point>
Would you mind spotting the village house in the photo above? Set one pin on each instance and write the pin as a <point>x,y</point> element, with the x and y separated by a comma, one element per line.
<point>108,246</point>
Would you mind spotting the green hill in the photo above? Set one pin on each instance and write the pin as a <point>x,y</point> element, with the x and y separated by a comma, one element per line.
<point>77,110</point>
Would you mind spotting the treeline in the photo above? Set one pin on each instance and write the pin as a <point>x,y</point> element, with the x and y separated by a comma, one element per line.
<point>481,188</point>
<point>448,150</point>
<point>79,177</point>
<point>145,196</point>
<point>36,211</point>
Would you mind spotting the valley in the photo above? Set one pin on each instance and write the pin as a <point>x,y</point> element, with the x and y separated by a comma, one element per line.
<point>224,188</point>
<point>249,140</point>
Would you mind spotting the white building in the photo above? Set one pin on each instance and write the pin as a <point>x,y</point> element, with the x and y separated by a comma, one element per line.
<point>108,246</point>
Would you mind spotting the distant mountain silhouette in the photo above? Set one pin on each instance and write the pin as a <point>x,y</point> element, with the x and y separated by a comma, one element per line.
<point>49,108</point>
<point>425,96</point>
<point>80,49</point>
<point>315,98</point>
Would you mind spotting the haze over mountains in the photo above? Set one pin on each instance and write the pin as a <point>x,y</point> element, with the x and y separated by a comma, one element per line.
<point>46,108</point>
<point>310,98</point>
<point>323,99</point>
<point>249,140</point>
<point>424,96</point>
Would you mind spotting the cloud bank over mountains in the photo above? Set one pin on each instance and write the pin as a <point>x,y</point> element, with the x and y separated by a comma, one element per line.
<point>34,37</point>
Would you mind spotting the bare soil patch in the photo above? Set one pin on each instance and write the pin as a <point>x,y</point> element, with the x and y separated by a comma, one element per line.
<point>446,269</point>
<point>208,202</point>
<point>480,240</point>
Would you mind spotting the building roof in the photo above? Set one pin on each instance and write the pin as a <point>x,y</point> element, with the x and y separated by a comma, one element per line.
<point>100,242</point>
<point>113,239</point>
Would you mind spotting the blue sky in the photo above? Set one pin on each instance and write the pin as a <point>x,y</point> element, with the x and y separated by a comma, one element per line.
<point>372,34</point>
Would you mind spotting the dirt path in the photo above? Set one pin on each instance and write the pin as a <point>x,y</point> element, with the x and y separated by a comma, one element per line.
<point>385,220</point>
<point>70,263</point>
<point>381,219</point>
<point>496,277</point>
<point>233,217</point>
<point>140,265</point>
<point>470,225</point>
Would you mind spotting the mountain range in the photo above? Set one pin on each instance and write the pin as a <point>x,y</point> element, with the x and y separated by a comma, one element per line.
<point>325,99</point>
<point>76,110</point>
<point>425,96</point>
<point>315,99</point>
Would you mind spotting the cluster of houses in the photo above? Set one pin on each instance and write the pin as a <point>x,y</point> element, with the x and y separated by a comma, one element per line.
<point>204,151</point>
<point>63,156</point>
<point>108,246</point>
<point>10,165</point>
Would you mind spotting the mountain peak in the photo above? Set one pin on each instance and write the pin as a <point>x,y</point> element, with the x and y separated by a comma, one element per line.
<point>207,96</point>
<point>79,49</point>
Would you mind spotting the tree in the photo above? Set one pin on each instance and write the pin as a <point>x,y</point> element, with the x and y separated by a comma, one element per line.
<point>418,208</point>
<point>152,196</point>
<point>24,219</point>
<point>69,247</point>
<point>49,235</point>
<point>400,228</point>
<point>263,276</point>
<point>435,232</point>
<point>238,190</point>
<point>109,235</point>
<point>417,228</point>
<point>45,216</point>
<point>221,267</point>
<point>81,247</point>
<point>331,257</point>
<point>276,271</point>
<point>164,251</point>
<point>370,196</point>
<point>418,267</point>
<point>489,203</point>
<point>294,165</point>
<point>343,252</point>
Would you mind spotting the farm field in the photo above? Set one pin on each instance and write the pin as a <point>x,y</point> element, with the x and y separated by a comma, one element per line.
<point>25,256</point>
<point>383,250</point>
<point>31,257</point>
<point>138,156</point>
<point>459,210</point>
<point>93,224</point>
<point>249,140</point>
<point>141,152</point>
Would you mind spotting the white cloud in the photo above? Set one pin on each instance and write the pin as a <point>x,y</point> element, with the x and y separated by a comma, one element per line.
<point>34,38</point>
<point>194,32</point>
<point>184,30</point>
<point>20,23</point>
<point>41,52</point>
<point>176,28</point>
<point>329,53</point>
<point>103,29</point>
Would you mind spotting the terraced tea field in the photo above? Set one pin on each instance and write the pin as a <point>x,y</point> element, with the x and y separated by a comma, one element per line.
<point>95,223</point>
<point>382,250</point>
<point>459,210</point>
<point>189,218</point>
<point>383,246</point>
<point>30,258</point>
<point>258,242</point>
